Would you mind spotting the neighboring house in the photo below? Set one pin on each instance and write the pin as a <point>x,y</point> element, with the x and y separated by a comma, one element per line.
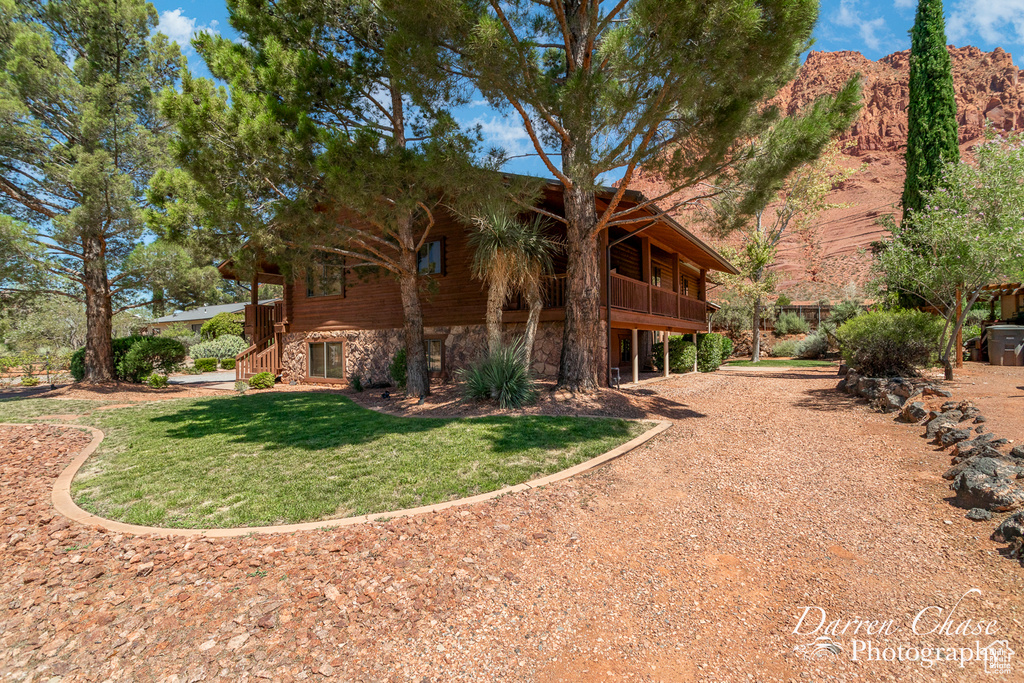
<point>332,325</point>
<point>195,317</point>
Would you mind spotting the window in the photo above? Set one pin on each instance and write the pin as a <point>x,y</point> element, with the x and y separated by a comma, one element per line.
<point>656,276</point>
<point>197,328</point>
<point>686,287</point>
<point>625,353</point>
<point>431,258</point>
<point>435,359</point>
<point>326,279</point>
<point>327,360</point>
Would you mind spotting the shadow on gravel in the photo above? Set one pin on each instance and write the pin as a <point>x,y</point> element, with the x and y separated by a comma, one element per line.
<point>784,375</point>
<point>827,400</point>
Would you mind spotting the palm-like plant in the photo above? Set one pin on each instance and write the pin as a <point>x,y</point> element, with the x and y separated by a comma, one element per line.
<point>510,254</point>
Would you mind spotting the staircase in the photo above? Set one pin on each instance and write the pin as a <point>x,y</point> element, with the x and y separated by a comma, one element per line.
<point>265,354</point>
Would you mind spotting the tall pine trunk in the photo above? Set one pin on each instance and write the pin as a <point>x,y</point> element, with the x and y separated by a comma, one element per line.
<point>497,292</point>
<point>417,377</point>
<point>536,304</point>
<point>99,356</point>
<point>577,369</point>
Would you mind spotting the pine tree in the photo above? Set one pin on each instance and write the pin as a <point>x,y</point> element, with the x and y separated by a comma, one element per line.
<point>932,135</point>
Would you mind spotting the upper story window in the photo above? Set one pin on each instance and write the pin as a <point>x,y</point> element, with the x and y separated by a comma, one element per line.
<point>326,278</point>
<point>656,276</point>
<point>686,287</point>
<point>431,258</point>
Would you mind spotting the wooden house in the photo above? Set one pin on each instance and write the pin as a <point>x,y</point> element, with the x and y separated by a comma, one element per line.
<point>333,325</point>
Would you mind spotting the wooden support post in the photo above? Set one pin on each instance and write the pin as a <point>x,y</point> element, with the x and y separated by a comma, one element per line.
<point>254,294</point>
<point>664,343</point>
<point>645,267</point>
<point>695,352</point>
<point>635,348</point>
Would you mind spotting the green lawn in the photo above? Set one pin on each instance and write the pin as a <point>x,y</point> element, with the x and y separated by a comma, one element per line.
<point>290,457</point>
<point>14,409</point>
<point>781,363</point>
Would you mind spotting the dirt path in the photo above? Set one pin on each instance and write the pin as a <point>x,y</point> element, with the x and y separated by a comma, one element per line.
<point>687,560</point>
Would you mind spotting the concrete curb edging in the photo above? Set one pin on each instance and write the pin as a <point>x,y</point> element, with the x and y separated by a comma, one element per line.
<point>64,504</point>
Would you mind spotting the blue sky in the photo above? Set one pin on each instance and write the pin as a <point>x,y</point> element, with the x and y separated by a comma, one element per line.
<point>873,27</point>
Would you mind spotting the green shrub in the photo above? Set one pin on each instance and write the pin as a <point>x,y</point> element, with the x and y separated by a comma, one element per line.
<point>224,346</point>
<point>29,381</point>
<point>261,380</point>
<point>681,354</point>
<point>149,354</point>
<point>709,352</point>
<point>791,323</point>
<point>119,347</point>
<point>206,364</point>
<point>890,343</point>
<point>814,346</point>
<point>733,316</point>
<point>397,369</point>
<point>356,383</point>
<point>157,381</point>
<point>786,348</point>
<point>241,386</point>
<point>228,363</point>
<point>222,324</point>
<point>727,347</point>
<point>501,376</point>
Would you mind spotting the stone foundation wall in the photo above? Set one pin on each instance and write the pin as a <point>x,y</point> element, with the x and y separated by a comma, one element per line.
<point>368,353</point>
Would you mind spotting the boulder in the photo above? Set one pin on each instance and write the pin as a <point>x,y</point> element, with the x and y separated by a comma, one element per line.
<point>1011,528</point>
<point>976,489</point>
<point>851,382</point>
<point>900,387</point>
<point>949,405</point>
<point>987,465</point>
<point>889,403</point>
<point>970,412</point>
<point>979,515</point>
<point>843,369</point>
<point>913,412</point>
<point>1017,452</point>
<point>954,436</point>
<point>932,390</point>
<point>940,419</point>
<point>985,438</point>
<point>968,449</point>
<point>869,387</point>
<point>981,418</point>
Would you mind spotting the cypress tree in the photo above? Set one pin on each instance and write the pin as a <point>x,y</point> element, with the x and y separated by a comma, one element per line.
<point>932,136</point>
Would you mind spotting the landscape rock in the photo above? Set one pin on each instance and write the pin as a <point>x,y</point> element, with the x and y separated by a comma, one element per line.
<point>869,387</point>
<point>889,403</point>
<point>975,488</point>
<point>913,411</point>
<point>979,515</point>
<point>941,419</point>
<point>968,449</point>
<point>993,467</point>
<point>955,436</point>
<point>1011,528</point>
<point>1017,452</point>
<point>980,419</point>
<point>901,387</point>
<point>932,390</point>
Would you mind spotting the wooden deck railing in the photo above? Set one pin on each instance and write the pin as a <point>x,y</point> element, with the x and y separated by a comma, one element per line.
<point>633,295</point>
<point>259,320</point>
<point>552,293</point>
<point>263,356</point>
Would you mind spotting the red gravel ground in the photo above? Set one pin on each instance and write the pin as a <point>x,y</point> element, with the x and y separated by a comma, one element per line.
<point>688,559</point>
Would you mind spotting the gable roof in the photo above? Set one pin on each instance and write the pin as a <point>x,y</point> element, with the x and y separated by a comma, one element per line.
<point>204,312</point>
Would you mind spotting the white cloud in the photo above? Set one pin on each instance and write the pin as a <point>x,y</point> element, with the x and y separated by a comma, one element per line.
<point>849,17</point>
<point>995,21</point>
<point>906,4</point>
<point>506,132</point>
<point>181,29</point>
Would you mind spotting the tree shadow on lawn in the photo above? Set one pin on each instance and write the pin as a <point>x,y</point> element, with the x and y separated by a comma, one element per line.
<point>317,421</point>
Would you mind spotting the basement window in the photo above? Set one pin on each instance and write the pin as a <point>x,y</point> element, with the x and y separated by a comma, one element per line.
<point>326,360</point>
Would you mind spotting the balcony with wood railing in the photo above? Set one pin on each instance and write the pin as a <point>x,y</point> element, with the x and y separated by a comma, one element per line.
<point>552,294</point>
<point>632,295</point>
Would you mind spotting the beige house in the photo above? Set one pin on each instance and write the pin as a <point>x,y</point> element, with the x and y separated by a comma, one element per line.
<point>1006,299</point>
<point>195,317</point>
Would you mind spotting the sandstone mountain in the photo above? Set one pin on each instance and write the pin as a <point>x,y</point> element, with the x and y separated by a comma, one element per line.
<point>833,255</point>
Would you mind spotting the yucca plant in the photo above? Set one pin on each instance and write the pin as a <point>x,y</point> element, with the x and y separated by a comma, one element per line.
<point>501,376</point>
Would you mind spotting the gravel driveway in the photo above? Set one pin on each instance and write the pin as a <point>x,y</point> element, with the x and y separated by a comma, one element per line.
<point>689,559</point>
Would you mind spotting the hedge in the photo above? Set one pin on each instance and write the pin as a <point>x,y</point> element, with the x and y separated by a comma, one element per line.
<point>206,364</point>
<point>681,355</point>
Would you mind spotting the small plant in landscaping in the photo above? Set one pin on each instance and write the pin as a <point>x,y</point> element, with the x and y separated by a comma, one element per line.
<point>502,377</point>
<point>29,381</point>
<point>258,573</point>
<point>261,380</point>
<point>227,363</point>
<point>709,352</point>
<point>397,369</point>
<point>149,354</point>
<point>356,383</point>
<point>791,323</point>
<point>814,345</point>
<point>891,343</point>
<point>681,355</point>
<point>191,370</point>
<point>241,386</point>
<point>727,347</point>
<point>787,348</point>
<point>206,364</point>
<point>222,324</point>
<point>157,381</point>
<point>224,346</point>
